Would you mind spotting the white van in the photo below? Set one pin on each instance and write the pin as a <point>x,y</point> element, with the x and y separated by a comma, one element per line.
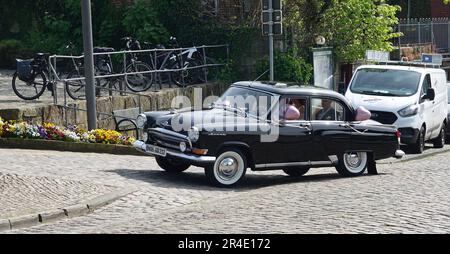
<point>414,99</point>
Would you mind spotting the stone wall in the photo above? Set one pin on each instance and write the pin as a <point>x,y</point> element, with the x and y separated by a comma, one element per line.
<point>150,102</point>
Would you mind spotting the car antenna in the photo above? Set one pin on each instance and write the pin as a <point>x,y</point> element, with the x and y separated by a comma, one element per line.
<point>261,75</point>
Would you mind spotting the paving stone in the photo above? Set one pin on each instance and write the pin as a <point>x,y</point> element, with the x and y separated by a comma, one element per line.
<point>406,197</point>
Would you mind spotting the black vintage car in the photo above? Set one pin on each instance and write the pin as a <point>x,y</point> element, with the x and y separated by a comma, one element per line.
<point>265,126</point>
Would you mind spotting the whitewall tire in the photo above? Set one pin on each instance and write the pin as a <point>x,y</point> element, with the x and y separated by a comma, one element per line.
<point>228,169</point>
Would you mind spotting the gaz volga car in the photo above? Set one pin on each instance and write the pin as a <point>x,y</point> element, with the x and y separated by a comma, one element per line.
<point>267,126</point>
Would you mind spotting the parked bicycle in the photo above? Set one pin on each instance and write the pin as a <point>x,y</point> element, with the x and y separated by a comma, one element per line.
<point>181,67</point>
<point>31,77</point>
<point>103,65</point>
<point>136,81</point>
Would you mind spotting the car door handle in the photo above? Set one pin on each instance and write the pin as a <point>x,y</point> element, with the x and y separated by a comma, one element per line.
<point>307,125</point>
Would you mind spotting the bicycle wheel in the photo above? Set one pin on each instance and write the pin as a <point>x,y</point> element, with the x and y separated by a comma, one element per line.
<point>76,89</point>
<point>138,82</point>
<point>175,73</point>
<point>29,90</point>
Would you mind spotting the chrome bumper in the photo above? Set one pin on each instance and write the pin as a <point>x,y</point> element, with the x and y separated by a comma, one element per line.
<point>197,159</point>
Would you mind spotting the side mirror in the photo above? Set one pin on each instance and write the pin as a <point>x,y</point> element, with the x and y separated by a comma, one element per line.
<point>431,94</point>
<point>362,114</point>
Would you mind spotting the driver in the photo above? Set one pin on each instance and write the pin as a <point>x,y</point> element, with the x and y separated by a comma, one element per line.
<point>327,112</point>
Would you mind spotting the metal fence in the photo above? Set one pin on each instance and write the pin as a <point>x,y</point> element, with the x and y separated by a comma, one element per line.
<point>58,72</point>
<point>434,31</point>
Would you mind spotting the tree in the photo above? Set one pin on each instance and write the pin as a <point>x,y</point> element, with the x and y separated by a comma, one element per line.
<point>350,26</point>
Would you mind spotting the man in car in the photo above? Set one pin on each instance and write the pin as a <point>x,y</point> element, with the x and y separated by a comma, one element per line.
<point>327,112</point>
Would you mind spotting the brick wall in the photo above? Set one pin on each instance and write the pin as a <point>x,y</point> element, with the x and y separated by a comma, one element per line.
<point>439,9</point>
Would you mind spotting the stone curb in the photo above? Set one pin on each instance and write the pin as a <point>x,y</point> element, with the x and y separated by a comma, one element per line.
<point>82,208</point>
<point>418,157</point>
<point>38,144</point>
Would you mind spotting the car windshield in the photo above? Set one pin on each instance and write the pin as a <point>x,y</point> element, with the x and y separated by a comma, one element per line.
<point>385,82</point>
<point>251,102</point>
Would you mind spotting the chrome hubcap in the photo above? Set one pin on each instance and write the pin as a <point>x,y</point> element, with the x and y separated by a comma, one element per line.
<point>227,168</point>
<point>353,160</point>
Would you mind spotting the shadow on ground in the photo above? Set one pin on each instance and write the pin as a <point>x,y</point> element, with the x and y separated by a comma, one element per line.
<point>197,180</point>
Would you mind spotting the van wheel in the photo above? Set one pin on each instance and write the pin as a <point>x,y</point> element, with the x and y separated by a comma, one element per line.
<point>171,165</point>
<point>228,169</point>
<point>419,146</point>
<point>352,163</point>
<point>296,171</point>
<point>439,142</point>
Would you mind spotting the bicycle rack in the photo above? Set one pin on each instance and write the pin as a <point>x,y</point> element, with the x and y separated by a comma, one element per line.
<point>55,78</point>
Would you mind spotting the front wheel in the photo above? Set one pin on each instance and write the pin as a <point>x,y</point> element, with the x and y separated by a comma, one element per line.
<point>419,146</point>
<point>352,163</point>
<point>171,165</point>
<point>76,89</point>
<point>32,89</point>
<point>228,169</point>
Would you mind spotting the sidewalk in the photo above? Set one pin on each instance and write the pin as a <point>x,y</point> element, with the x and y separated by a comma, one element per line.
<point>28,200</point>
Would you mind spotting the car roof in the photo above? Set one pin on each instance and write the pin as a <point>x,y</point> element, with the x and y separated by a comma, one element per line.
<point>418,69</point>
<point>290,88</point>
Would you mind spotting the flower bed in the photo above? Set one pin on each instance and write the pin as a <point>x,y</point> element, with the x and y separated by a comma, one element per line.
<point>49,131</point>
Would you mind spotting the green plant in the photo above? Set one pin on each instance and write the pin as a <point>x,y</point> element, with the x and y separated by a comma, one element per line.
<point>11,49</point>
<point>141,21</point>
<point>349,26</point>
<point>288,67</point>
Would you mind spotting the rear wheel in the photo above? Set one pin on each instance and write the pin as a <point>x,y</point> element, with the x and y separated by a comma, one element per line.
<point>171,165</point>
<point>228,169</point>
<point>32,89</point>
<point>139,82</point>
<point>439,142</point>
<point>352,163</point>
<point>296,171</point>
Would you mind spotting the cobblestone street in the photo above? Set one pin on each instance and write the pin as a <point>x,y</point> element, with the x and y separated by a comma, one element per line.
<point>406,197</point>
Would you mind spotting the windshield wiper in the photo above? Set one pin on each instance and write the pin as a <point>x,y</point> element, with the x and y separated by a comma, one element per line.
<point>378,93</point>
<point>232,109</point>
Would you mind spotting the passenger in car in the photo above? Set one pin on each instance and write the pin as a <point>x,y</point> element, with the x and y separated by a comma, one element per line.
<point>327,112</point>
<point>300,105</point>
<point>290,112</point>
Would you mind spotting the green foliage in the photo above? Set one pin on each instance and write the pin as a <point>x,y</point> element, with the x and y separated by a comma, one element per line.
<point>288,67</point>
<point>141,21</point>
<point>350,26</point>
<point>11,49</point>
<point>49,25</point>
<point>354,26</point>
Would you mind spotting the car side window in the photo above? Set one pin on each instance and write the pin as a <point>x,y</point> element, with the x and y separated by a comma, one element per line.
<point>425,85</point>
<point>292,109</point>
<point>324,109</point>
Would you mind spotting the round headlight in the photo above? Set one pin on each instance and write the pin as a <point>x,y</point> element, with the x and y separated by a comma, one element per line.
<point>145,136</point>
<point>194,134</point>
<point>141,121</point>
<point>182,146</point>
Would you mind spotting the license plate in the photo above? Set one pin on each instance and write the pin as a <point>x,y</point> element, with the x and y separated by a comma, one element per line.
<point>156,150</point>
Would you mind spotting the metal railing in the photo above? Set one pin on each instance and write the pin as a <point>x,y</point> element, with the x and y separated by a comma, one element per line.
<point>57,79</point>
<point>434,31</point>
